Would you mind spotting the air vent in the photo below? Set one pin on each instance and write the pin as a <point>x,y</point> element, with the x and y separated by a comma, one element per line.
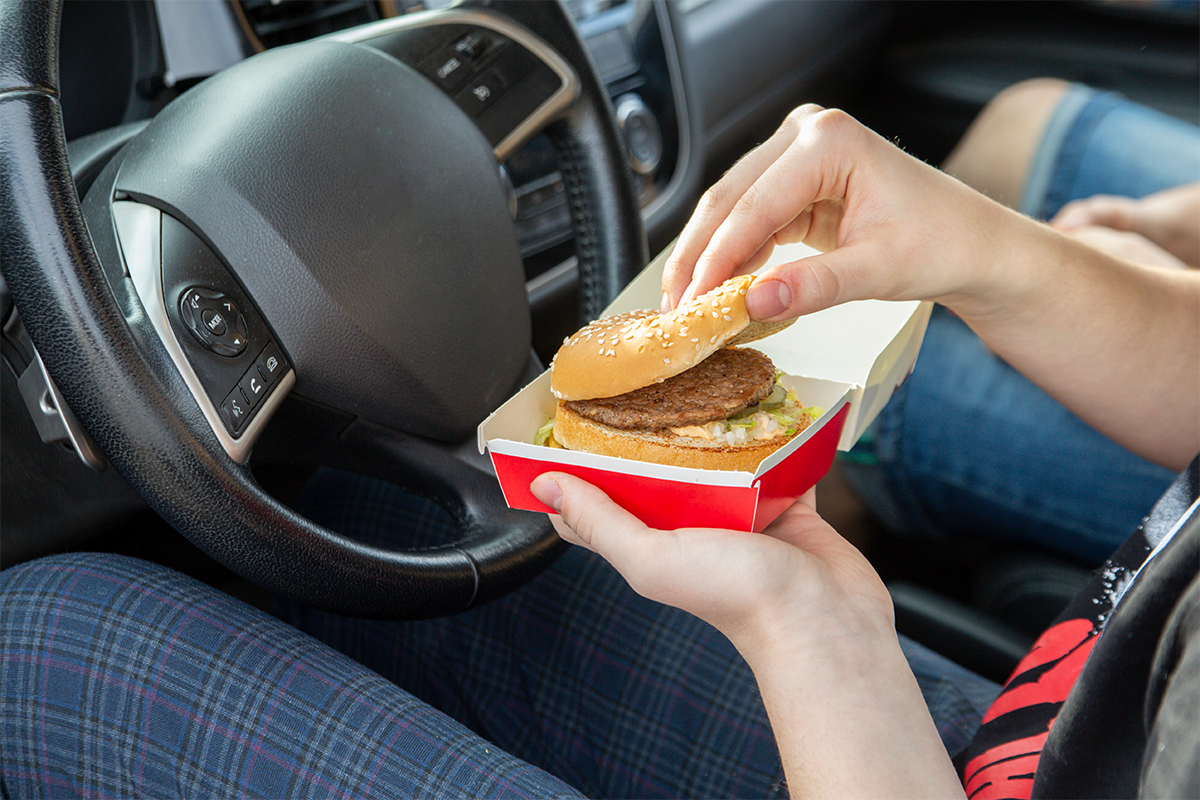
<point>271,23</point>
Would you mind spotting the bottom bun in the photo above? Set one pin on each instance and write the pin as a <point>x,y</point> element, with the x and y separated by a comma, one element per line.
<point>576,432</point>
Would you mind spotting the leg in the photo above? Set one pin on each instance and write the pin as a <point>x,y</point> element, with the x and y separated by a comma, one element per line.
<point>969,448</point>
<point>997,152</point>
<point>1044,142</point>
<point>579,675</point>
<point>120,678</point>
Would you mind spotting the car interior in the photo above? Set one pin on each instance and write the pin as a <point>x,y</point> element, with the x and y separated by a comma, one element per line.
<point>333,250</point>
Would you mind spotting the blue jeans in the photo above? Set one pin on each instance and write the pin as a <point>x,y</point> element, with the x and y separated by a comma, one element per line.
<point>1100,143</point>
<point>969,447</point>
<point>121,678</point>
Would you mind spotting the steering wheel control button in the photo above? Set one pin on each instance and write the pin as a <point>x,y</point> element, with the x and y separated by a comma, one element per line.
<point>448,68</point>
<point>253,387</point>
<point>270,364</point>
<point>473,46</point>
<point>480,93</point>
<point>214,320</point>
<point>235,412</point>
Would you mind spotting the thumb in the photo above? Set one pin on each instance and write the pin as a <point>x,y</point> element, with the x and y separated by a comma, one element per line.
<point>801,287</point>
<point>589,516</point>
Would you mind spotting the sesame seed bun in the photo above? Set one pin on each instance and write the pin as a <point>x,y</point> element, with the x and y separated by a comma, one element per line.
<point>618,354</point>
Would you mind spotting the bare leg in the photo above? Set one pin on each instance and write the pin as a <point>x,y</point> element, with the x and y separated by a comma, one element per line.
<point>995,154</point>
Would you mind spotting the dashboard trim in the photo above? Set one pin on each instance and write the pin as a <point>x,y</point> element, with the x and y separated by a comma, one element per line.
<point>547,112</point>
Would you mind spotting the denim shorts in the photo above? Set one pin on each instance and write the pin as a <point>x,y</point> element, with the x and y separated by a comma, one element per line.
<point>969,447</point>
<point>1102,143</point>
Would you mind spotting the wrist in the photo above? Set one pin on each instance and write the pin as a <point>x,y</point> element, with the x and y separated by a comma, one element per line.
<point>851,721</point>
<point>1004,266</point>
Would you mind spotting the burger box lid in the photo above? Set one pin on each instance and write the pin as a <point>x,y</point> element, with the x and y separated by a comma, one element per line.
<point>848,360</point>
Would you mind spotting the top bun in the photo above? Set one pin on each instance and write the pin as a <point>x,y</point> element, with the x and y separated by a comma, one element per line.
<point>618,354</point>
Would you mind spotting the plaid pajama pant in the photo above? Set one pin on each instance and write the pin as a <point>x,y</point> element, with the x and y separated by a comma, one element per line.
<point>119,678</point>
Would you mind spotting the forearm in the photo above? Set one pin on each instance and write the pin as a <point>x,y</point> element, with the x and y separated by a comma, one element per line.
<point>853,723</point>
<point>1117,343</point>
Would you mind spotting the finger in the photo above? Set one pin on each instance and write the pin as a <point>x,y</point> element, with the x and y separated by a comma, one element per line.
<point>565,532</point>
<point>680,270</point>
<point>588,517</point>
<point>797,287</point>
<point>763,255</point>
<point>810,175</point>
<point>1109,212</point>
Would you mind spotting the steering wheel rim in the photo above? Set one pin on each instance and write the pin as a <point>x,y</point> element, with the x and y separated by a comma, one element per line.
<point>93,345</point>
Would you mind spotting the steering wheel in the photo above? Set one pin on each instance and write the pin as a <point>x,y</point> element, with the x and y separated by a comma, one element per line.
<point>325,223</point>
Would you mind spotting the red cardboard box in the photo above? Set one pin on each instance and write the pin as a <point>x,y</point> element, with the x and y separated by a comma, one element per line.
<point>848,360</point>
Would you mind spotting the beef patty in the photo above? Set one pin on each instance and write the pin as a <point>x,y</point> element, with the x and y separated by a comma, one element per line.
<point>720,386</point>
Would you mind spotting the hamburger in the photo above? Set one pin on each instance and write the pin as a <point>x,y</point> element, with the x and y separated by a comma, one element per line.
<point>675,388</point>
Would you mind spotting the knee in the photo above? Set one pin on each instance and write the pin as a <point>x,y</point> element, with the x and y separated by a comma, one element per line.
<point>1032,97</point>
<point>996,153</point>
<point>81,586</point>
<point>58,573</point>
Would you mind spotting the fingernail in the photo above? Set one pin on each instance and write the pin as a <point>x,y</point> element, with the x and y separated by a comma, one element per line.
<point>767,299</point>
<point>665,305</point>
<point>546,491</point>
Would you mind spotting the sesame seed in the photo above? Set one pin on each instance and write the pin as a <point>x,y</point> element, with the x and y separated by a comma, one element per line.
<point>612,352</point>
<point>666,361</point>
<point>726,310</point>
<point>728,318</point>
